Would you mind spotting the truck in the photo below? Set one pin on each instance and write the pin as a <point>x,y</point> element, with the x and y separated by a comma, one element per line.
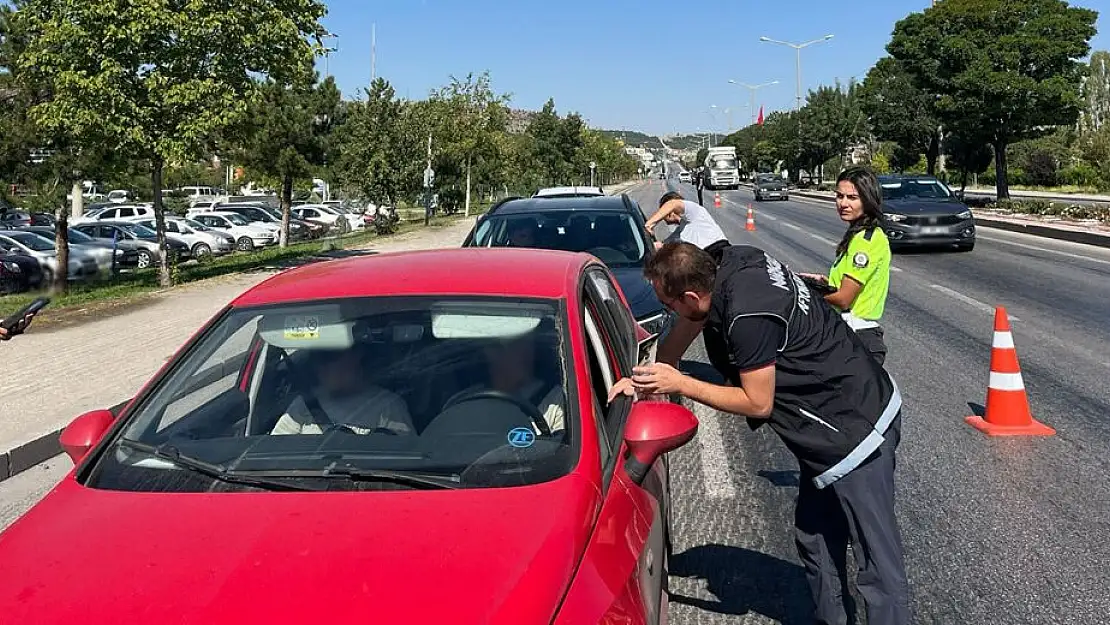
<point>721,170</point>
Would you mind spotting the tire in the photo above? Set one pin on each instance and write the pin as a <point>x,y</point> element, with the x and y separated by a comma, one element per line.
<point>966,247</point>
<point>202,250</point>
<point>144,259</point>
<point>785,198</point>
<point>244,244</point>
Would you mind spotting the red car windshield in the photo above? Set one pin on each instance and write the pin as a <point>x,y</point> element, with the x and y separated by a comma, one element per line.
<point>459,392</point>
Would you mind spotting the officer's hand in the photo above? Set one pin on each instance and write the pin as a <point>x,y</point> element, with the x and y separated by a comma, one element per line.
<point>657,378</point>
<point>815,276</point>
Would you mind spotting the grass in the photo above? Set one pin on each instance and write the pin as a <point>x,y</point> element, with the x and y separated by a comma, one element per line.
<point>132,286</point>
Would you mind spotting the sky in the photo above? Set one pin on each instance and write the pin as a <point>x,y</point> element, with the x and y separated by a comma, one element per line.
<point>655,67</point>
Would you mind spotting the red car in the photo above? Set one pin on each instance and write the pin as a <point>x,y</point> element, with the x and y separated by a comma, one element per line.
<point>342,446</point>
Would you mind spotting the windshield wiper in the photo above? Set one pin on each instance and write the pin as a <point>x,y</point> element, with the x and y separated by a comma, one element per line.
<point>384,475</point>
<point>171,454</point>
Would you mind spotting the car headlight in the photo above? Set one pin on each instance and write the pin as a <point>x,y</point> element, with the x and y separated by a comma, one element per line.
<point>964,215</point>
<point>895,217</point>
<point>657,323</point>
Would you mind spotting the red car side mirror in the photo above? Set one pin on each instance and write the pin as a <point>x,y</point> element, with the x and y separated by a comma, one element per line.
<point>653,429</point>
<point>84,432</point>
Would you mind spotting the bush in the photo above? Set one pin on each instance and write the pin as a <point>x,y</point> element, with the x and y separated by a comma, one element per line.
<point>1065,210</point>
<point>1040,169</point>
<point>1082,175</point>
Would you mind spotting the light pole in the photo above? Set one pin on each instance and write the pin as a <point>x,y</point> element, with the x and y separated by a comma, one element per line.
<point>328,51</point>
<point>752,89</point>
<point>798,64</point>
<point>728,112</point>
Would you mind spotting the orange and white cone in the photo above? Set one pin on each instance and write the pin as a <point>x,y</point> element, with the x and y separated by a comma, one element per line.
<point>716,200</point>
<point>1007,412</point>
<point>751,219</point>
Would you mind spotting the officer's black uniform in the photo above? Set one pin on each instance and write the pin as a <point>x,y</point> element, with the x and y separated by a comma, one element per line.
<point>700,181</point>
<point>836,409</point>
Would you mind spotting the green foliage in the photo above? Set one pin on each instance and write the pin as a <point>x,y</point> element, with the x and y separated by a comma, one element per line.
<point>1008,68</point>
<point>899,111</point>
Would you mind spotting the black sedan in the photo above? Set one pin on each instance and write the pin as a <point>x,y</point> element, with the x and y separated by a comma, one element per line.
<point>921,211</point>
<point>610,228</point>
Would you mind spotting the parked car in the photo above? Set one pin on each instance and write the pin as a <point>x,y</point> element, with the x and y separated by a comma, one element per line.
<point>19,273</point>
<point>340,220</point>
<point>125,212</point>
<point>270,218</point>
<point>17,219</point>
<point>922,211</point>
<point>129,235</point>
<point>609,227</point>
<point>100,250</point>
<point>247,236</point>
<point>202,241</point>
<point>568,521</point>
<point>81,265</point>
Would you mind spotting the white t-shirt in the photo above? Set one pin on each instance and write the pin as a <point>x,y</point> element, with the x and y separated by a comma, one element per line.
<point>697,227</point>
<point>372,407</point>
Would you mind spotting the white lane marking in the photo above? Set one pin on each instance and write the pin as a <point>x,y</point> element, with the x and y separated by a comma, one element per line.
<point>968,300</point>
<point>714,462</point>
<point>896,269</point>
<point>793,226</point>
<point>823,239</point>
<point>772,218</point>
<point>1045,249</point>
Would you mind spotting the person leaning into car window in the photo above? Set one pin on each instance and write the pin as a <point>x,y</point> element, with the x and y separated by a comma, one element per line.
<point>342,399</point>
<point>861,272</point>
<point>512,370</point>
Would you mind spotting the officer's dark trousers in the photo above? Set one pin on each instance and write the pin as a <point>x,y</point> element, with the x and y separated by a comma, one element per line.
<point>699,197</point>
<point>873,339</point>
<point>858,507</point>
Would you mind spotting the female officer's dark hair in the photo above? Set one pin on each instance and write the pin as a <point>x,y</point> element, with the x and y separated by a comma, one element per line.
<point>867,186</point>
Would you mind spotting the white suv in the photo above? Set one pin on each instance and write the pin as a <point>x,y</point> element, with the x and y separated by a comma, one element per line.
<point>339,219</point>
<point>127,212</point>
<point>247,235</point>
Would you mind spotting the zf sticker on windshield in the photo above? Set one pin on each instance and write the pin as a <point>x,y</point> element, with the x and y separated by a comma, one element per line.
<point>302,328</point>
<point>522,437</point>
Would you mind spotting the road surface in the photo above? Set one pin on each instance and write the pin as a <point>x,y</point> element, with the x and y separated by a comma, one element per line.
<point>996,531</point>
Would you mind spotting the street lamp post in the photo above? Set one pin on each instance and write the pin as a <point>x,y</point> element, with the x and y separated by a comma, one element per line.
<point>752,89</point>
<point>328,51</point>
<point>798,62</point>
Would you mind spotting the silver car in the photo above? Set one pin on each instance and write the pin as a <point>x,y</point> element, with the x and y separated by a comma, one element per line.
<point>202,240</point>
<point>81,265</point>
<point>129,235</point>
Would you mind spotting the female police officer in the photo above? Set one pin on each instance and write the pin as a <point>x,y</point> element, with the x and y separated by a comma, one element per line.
<point>861,272</point>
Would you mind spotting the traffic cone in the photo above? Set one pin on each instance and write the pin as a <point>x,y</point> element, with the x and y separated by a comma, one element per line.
<point>716,200</point>
<point>1007,412</point>
<point>751,219</point>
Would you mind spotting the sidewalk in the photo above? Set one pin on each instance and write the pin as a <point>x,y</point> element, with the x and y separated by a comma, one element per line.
<point>54,375</point>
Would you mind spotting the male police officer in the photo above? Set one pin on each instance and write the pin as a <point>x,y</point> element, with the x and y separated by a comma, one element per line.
<point>791,361</point>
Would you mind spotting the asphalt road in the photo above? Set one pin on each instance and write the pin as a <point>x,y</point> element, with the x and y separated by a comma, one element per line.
<point>996,531</point>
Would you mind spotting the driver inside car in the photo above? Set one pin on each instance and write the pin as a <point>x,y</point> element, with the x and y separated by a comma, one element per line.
<point>343,397</point>
<point>511,369</point>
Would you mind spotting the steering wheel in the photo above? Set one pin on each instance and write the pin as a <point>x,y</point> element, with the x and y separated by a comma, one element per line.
<point>525,407</point>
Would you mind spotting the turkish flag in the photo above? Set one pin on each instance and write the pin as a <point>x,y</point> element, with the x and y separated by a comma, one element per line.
<point>760,122</point>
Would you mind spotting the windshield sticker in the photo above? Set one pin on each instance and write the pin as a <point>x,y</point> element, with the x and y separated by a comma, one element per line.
<point>302,328</point>
<point>522,437</point>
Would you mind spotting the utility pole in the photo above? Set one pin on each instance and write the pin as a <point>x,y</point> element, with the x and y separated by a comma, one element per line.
<point>752,89</point>
<point>798,62</point>
<point>374,52</point>
<point>429,179</point>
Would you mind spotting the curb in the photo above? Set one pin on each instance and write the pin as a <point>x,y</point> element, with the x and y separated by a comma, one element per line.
<point>38,450</point>
<point>1045,232</point>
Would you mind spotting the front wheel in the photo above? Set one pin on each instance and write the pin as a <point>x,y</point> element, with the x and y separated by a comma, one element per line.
<point>145,259</point>
<point>244,244</point>
<point>201,251</point>
<point>966,247</point>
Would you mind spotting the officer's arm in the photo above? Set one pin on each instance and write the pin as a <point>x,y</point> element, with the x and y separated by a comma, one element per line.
<point>754,398</point>
<point>843,297</point>
<point>664,210</point>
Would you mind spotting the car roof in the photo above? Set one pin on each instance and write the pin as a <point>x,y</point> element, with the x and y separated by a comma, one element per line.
<point>614,203</point>
<point>501,272</point>
<point>900,177</point>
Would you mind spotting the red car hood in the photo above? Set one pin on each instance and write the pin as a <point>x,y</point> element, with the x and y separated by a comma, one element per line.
<point>465,556</point>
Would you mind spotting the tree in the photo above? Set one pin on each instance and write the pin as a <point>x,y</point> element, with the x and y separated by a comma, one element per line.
<point>474,114</point>
<point>160,84</point>
<point>831,121</point>
<point>968,153</point>
<point>1008,67</point>
<point>900,112</point>
<point>286,135</point>
<point>1096,93</point>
